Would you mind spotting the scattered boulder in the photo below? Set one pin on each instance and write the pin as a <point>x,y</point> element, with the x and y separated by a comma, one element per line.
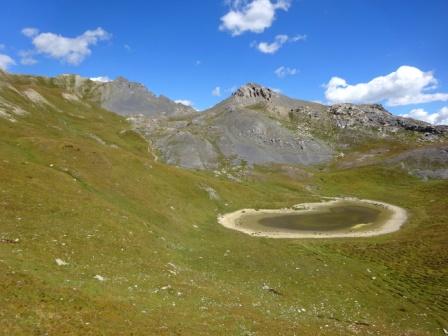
<point>99,278</point>
<point>212,193</point>
<point>60,262</point>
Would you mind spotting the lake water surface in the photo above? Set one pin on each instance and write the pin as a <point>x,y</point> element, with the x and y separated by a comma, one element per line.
<point>335,218</point>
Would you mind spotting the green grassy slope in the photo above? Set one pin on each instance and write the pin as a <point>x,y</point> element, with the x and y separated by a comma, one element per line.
<point>77,184</point>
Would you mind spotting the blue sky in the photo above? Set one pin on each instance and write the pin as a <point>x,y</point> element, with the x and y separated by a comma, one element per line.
<point>186,49</point>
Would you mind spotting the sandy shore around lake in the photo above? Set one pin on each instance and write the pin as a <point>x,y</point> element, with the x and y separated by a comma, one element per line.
<point>397,218</point>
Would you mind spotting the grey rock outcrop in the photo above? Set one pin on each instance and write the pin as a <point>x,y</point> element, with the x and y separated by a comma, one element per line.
<point>376,116</point>
<point>255,92</point>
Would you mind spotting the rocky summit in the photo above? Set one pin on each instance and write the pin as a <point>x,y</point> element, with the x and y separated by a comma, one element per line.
<point>253,91</point>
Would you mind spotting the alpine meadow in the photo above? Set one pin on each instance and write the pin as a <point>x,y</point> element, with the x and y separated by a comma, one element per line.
<point>290,178</point>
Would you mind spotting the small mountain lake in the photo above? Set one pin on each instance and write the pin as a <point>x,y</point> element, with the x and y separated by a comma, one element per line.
<point>337,218</point>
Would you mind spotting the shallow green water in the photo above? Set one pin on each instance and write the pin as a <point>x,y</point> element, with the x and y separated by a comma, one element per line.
<point>334,218</point>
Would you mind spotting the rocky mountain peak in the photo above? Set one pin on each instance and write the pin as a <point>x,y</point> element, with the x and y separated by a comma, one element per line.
<point>125,83</point>
<point>254,91</point>
<point>131,98</point>
<point>121,79</point>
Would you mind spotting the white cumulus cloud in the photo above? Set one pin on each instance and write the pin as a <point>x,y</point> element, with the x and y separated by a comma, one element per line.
<point>283,71</point>
<point>6,62</point>
<point>271,48</point>
<point>184,102</point>
<point>101,79</point>
<point>72,50</point>
<point>279,41</point>
<point>298,38</point>
<point>30,32</point>
<point>216,91</point>
<point>254,16</point>
<point>436,118</point>
<point>407,85</point>
<point>27,57</point>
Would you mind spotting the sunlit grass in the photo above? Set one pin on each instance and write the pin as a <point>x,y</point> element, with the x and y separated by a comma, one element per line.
<point>77,184</point>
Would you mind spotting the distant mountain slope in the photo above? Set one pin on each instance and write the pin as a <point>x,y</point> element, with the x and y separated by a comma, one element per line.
<point>130,98</point>
<point>121,96</point>
<point>255,126</point>
<point>426,162</point>
<point>259,126</point>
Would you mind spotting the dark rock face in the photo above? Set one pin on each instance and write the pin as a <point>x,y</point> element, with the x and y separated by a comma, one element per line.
<point>128,98</point>
<point>421,127</point>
